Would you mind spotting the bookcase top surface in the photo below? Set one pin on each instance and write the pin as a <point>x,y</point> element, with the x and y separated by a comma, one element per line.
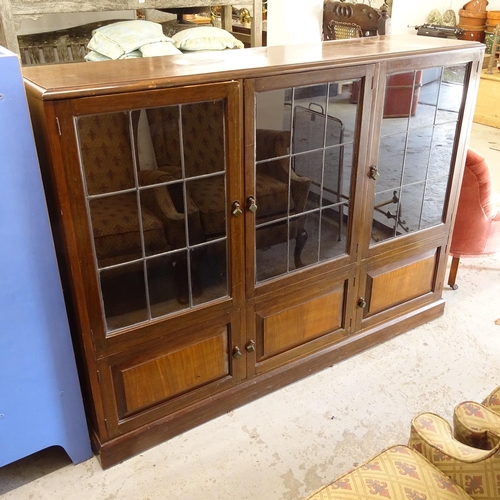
<point>70,80</point>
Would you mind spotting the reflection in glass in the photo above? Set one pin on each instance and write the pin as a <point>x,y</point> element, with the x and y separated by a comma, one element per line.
<point>435,196</point>
<point>159,223</point>
<point>412,195</point>
<point>304,163</point>
<point>166,283</point>
<point>209,272</point>
<point>387,215</point>
<point>124,296</point>
<point>416,150</point>
<point>391,161</point>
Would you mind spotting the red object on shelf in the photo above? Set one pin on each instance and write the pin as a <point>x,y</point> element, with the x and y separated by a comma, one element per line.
<point>401,95</point>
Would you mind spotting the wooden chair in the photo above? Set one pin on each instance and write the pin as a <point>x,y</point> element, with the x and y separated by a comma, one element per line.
<point>342,20</point>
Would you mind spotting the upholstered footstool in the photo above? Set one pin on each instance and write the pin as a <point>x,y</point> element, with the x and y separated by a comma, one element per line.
<point>397,473</point>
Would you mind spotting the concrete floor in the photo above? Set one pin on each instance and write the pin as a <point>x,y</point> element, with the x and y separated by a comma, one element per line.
<point>286,445</point>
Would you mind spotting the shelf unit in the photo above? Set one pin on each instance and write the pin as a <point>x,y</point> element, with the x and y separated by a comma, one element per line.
<point>13,12</point>
<point>283,227</point>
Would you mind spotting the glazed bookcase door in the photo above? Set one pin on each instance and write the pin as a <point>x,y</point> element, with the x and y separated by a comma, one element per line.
<point>153,176</point>
<point>305,141</point>
<point>411,175</point>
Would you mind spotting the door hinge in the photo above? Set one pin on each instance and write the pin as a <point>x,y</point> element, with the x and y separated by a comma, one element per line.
<point>58,126</point>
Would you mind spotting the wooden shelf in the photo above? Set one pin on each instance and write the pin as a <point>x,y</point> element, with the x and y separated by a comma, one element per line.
<point>13,12</point>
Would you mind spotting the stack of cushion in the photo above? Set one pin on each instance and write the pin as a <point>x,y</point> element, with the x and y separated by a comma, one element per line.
<point>131,39</point>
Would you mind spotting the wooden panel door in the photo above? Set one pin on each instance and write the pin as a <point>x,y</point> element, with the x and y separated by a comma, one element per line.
<point>305,141</point>
<point>156,254</point>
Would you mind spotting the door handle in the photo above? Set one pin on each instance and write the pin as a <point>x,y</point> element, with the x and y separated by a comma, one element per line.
<point>252,206</point>
<point>236,209</point>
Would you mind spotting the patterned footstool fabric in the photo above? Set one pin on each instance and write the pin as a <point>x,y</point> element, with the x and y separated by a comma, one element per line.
<point>493,401</point>
<point>476,425</point>
<point>397,473</point>
<point>476,471</point>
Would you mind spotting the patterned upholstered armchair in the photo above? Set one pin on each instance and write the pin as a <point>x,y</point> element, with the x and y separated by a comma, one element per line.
<point>475,470</point>
<point>436,464</point>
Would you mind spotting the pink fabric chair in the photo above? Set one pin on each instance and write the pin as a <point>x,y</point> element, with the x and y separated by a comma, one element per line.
<point>477,225</point>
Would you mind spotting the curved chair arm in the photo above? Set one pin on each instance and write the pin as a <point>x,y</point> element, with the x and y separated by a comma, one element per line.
<point>492,401</point>
<point>472,469</point>
<point>159,201</point>
<point>476,425</point>
<point>276,144</point>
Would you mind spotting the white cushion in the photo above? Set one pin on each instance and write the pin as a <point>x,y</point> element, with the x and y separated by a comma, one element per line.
<point>93,56</point>
<point>159,49</point>
<point>205,38</point>
<point>116,39</point>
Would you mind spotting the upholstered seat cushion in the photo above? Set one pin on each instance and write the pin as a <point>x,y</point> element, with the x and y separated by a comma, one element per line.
<point>272,196</point>
<point>209,196</point>
<point>115,224</point>
<point>397,473</point>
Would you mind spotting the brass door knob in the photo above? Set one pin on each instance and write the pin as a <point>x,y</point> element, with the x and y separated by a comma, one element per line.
<point>362,303</point>
<point>252,206</point>
<point>250,347</point>
<point>237,353</point>
<point>374,173</point>
<point>236,209</point>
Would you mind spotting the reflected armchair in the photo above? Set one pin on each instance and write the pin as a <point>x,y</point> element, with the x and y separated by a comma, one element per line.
<point>477,223</point>
<point>108,168</point>
<point>118,216</point>
<point>272,178</point>
<point>203,154</point>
